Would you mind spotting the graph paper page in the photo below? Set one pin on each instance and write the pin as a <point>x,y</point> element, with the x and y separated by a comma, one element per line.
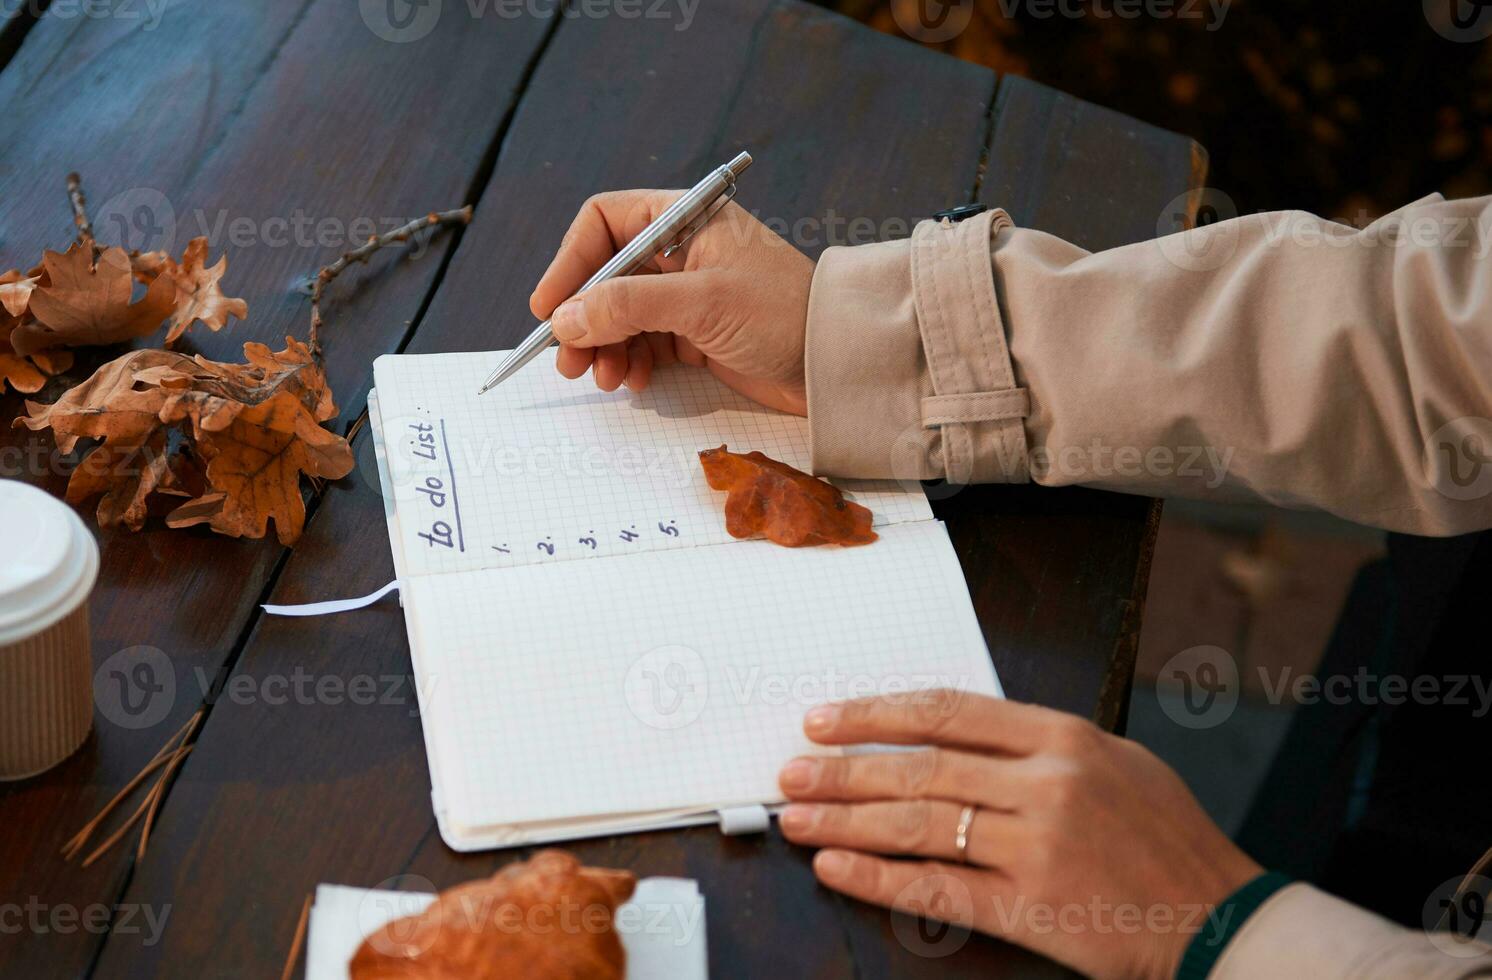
<point>674,678</point>
<point>541,469</point>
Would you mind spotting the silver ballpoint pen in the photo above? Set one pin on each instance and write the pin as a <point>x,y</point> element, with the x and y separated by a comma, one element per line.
<point>669,232</point>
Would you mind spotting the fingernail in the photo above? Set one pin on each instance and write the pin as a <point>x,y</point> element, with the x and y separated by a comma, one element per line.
<point>831,864</point>
<point>566,322</point>
<point>821,720</point>
<point>797,818</point>
<point>798,774</point>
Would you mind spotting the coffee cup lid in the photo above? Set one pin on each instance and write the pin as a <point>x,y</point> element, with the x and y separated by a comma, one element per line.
<point>50,561</point>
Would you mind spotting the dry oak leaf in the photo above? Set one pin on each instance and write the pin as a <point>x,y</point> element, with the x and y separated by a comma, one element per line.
<point>83,303</point>
<point>26,374</point>
<point>258,426</point>
<point>109,405</point>
<point>788,506</point>
<point>234,437</point>
<point>29,374</point>
<point>15,292</point>
<point>147,265</point>
<point>198,295</point>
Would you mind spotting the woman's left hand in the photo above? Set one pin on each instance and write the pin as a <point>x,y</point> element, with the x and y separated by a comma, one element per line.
<point>1083,846</point>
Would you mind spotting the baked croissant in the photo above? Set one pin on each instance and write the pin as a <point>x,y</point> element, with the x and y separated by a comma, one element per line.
<point>548,918</point>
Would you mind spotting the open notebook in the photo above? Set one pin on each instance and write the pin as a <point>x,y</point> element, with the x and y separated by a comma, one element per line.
<point>593,652</point>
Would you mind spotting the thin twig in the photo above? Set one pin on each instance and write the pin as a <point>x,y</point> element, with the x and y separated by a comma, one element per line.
<point>460,216</point>
<point>357,425</point>
<point>298,941</point>
<point>80,210</point>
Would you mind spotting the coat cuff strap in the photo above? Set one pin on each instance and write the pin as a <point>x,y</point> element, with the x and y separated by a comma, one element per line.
<point>987,406</point>
<point>975,403</point>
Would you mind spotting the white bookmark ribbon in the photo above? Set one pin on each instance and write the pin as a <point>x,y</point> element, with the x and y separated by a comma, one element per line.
<point>332,605</point>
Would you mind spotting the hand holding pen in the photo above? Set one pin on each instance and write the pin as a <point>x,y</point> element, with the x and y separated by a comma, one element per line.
<point>733,300</point>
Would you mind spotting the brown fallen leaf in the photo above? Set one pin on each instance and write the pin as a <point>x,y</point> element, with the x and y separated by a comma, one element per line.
<point>259,427</point>
<point>19,373</point>
<point>246,434</point>
<point>127,466</point>
<point>53,361</point>
<point>147,265</point>
<point>83,303</point>
<point>15,292</point>
<point>29,374</point>
<point>198,295</point>
<point>788,506</point>
<point>25,374</point>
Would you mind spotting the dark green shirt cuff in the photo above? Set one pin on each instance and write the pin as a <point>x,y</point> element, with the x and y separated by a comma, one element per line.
<point>1223,924</point>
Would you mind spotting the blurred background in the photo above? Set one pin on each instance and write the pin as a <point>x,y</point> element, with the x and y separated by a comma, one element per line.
<point>1348,110</point>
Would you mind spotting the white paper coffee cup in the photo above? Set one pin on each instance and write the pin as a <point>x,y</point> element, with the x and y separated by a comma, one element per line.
<point>48,564</point>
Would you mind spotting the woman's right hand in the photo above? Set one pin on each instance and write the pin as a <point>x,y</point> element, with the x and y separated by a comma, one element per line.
<point>733,300</point>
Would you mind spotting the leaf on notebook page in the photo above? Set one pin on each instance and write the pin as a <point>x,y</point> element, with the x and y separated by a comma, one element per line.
<point>787,506</point>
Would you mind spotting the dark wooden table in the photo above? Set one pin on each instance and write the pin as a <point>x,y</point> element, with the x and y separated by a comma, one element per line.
<point>224,115</point>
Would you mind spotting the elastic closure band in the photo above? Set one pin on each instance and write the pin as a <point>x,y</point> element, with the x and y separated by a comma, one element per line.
<point>750,819</point>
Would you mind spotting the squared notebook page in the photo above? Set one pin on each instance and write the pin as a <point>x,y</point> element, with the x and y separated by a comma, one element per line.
<point>542,469</point>
<point>673,678</point>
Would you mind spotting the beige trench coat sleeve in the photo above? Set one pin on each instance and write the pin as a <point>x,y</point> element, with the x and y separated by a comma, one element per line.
<point>1302,932</point>
<point>1276,357</point>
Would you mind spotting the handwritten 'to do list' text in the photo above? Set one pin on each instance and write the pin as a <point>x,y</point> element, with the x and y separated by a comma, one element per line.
<point>439,497</point>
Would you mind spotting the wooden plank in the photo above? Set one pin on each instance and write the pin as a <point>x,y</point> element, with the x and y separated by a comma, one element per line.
<point>241,120</point>
<point>1076,561</point>
<point>1091,175</point>
<point>51,76</point>
<point>336,792</point>
<point>128,108</point>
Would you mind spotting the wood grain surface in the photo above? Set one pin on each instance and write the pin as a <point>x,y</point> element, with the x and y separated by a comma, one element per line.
<point>310,766</point>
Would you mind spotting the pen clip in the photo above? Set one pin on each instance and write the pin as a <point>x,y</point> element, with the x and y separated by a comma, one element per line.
<point>694,227</point>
